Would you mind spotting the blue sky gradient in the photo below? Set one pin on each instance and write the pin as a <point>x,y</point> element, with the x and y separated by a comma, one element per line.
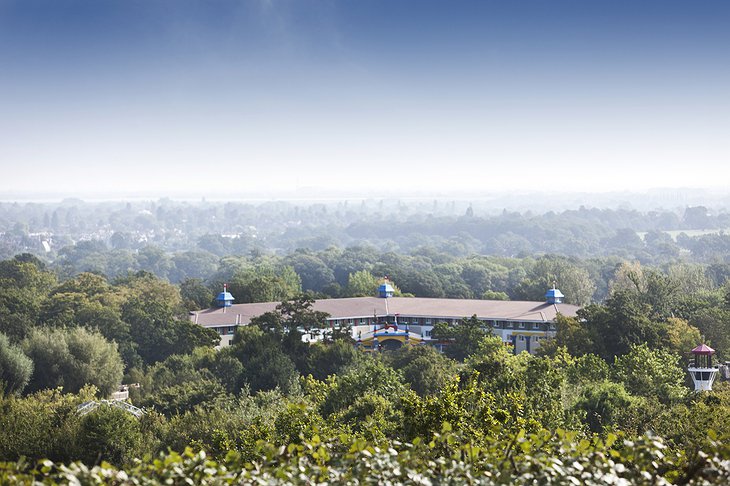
<point>166,96</point>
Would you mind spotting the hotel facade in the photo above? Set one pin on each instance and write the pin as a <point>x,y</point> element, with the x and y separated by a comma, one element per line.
<point>387,322</point>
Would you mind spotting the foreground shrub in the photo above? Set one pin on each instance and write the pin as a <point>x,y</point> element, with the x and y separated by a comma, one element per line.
<point>541,458</point>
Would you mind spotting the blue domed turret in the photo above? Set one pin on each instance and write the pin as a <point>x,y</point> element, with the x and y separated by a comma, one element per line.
<point>385,290</point>
<point>224,299</point>
<point>554,296</point>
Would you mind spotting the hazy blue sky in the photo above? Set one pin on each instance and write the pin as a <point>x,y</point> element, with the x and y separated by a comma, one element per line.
<point>239,96</point>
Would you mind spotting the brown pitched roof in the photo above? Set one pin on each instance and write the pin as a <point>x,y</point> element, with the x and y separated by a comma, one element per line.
<point>356,307</point>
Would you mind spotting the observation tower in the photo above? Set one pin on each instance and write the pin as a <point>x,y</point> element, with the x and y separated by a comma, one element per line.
<point>701,369</point>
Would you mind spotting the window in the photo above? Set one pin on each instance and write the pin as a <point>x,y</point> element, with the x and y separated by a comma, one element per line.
<point>522,338</point>
<point>231,330</point>
<point>363,321</point>
<point>428,321</point>
<point>522,325</point>
<point>428,333</point>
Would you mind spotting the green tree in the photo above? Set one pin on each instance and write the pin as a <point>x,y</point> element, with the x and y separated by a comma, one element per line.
<point>714,324</point>
<point>424,369</point>
<point>463,338</point>
<point>41,425</point>
<point>315,274</point>
<point>607,406</point>
<point>193,264</point>
<point>362,284</point>
<point>499,369</point>
<point>575,282</point>
<point>681,337</point>
<point>651,373</point>
<point>622,321</point>
<point>109,434</point>
<point>15,367</point>
<point>195,294</point>
<point>572,334</point>
<point>263,282</point>
<point>367,376</point>
<point>185,396</point>
<point>546,380</point>
<point>154,310</point>
<point>24,283</point>
<point>266,366</point>
<point>331,358</point>
<point>493,295</point>
<point>73,358</point>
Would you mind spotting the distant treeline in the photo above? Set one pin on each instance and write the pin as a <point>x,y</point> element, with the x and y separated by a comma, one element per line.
<point>279,227</point>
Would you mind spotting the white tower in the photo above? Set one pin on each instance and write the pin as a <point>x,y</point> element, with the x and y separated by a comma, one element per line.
<point>701,369</point>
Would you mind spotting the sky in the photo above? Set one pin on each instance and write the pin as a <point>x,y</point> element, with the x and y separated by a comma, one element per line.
<point>241,97</point>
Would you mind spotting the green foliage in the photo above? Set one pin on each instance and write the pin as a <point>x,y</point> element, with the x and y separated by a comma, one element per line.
<point>714,324</point>
<point>371,376</point>
<point>232,425</point>
<point>262,282</point>
<point>608,406</point>
<point>587,368</point>
<point>109,434</point>
<point>266,366</point>
<point>539,458</point>
<point>574,335</point>
<point>651,373</point>
<point>680,336</point>
<point>183,397</point>
<point>297,422</point>
<point>330,358</point>
<point>574,281</point>
<point>292,317</point>
<point>499,370</point>
<point>195,294</point>
<point>463,338</point>
<point>24,282</point>
<point>154,311</point>
<point>545,379</point>
<point>424,369</point>
<point>492,295</point>
<point>72,359</point>
<point>40,425</point>
<point>362,284</point>
<point>15,367</point>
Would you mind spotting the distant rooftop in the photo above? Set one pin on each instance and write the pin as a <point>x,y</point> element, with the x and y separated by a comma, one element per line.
<point>357,307</point>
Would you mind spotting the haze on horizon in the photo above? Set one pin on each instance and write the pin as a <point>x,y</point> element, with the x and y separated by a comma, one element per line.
<point>244,96</point>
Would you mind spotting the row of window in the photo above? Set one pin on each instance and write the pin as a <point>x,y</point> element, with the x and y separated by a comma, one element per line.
<point>522,338</point>
<point>425,321</point>
<point>228,330</point>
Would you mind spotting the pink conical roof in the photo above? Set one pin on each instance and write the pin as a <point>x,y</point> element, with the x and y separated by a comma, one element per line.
<point>703,349</point>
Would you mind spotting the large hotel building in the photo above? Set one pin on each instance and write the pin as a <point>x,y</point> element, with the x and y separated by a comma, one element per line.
<point>387,322</point>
